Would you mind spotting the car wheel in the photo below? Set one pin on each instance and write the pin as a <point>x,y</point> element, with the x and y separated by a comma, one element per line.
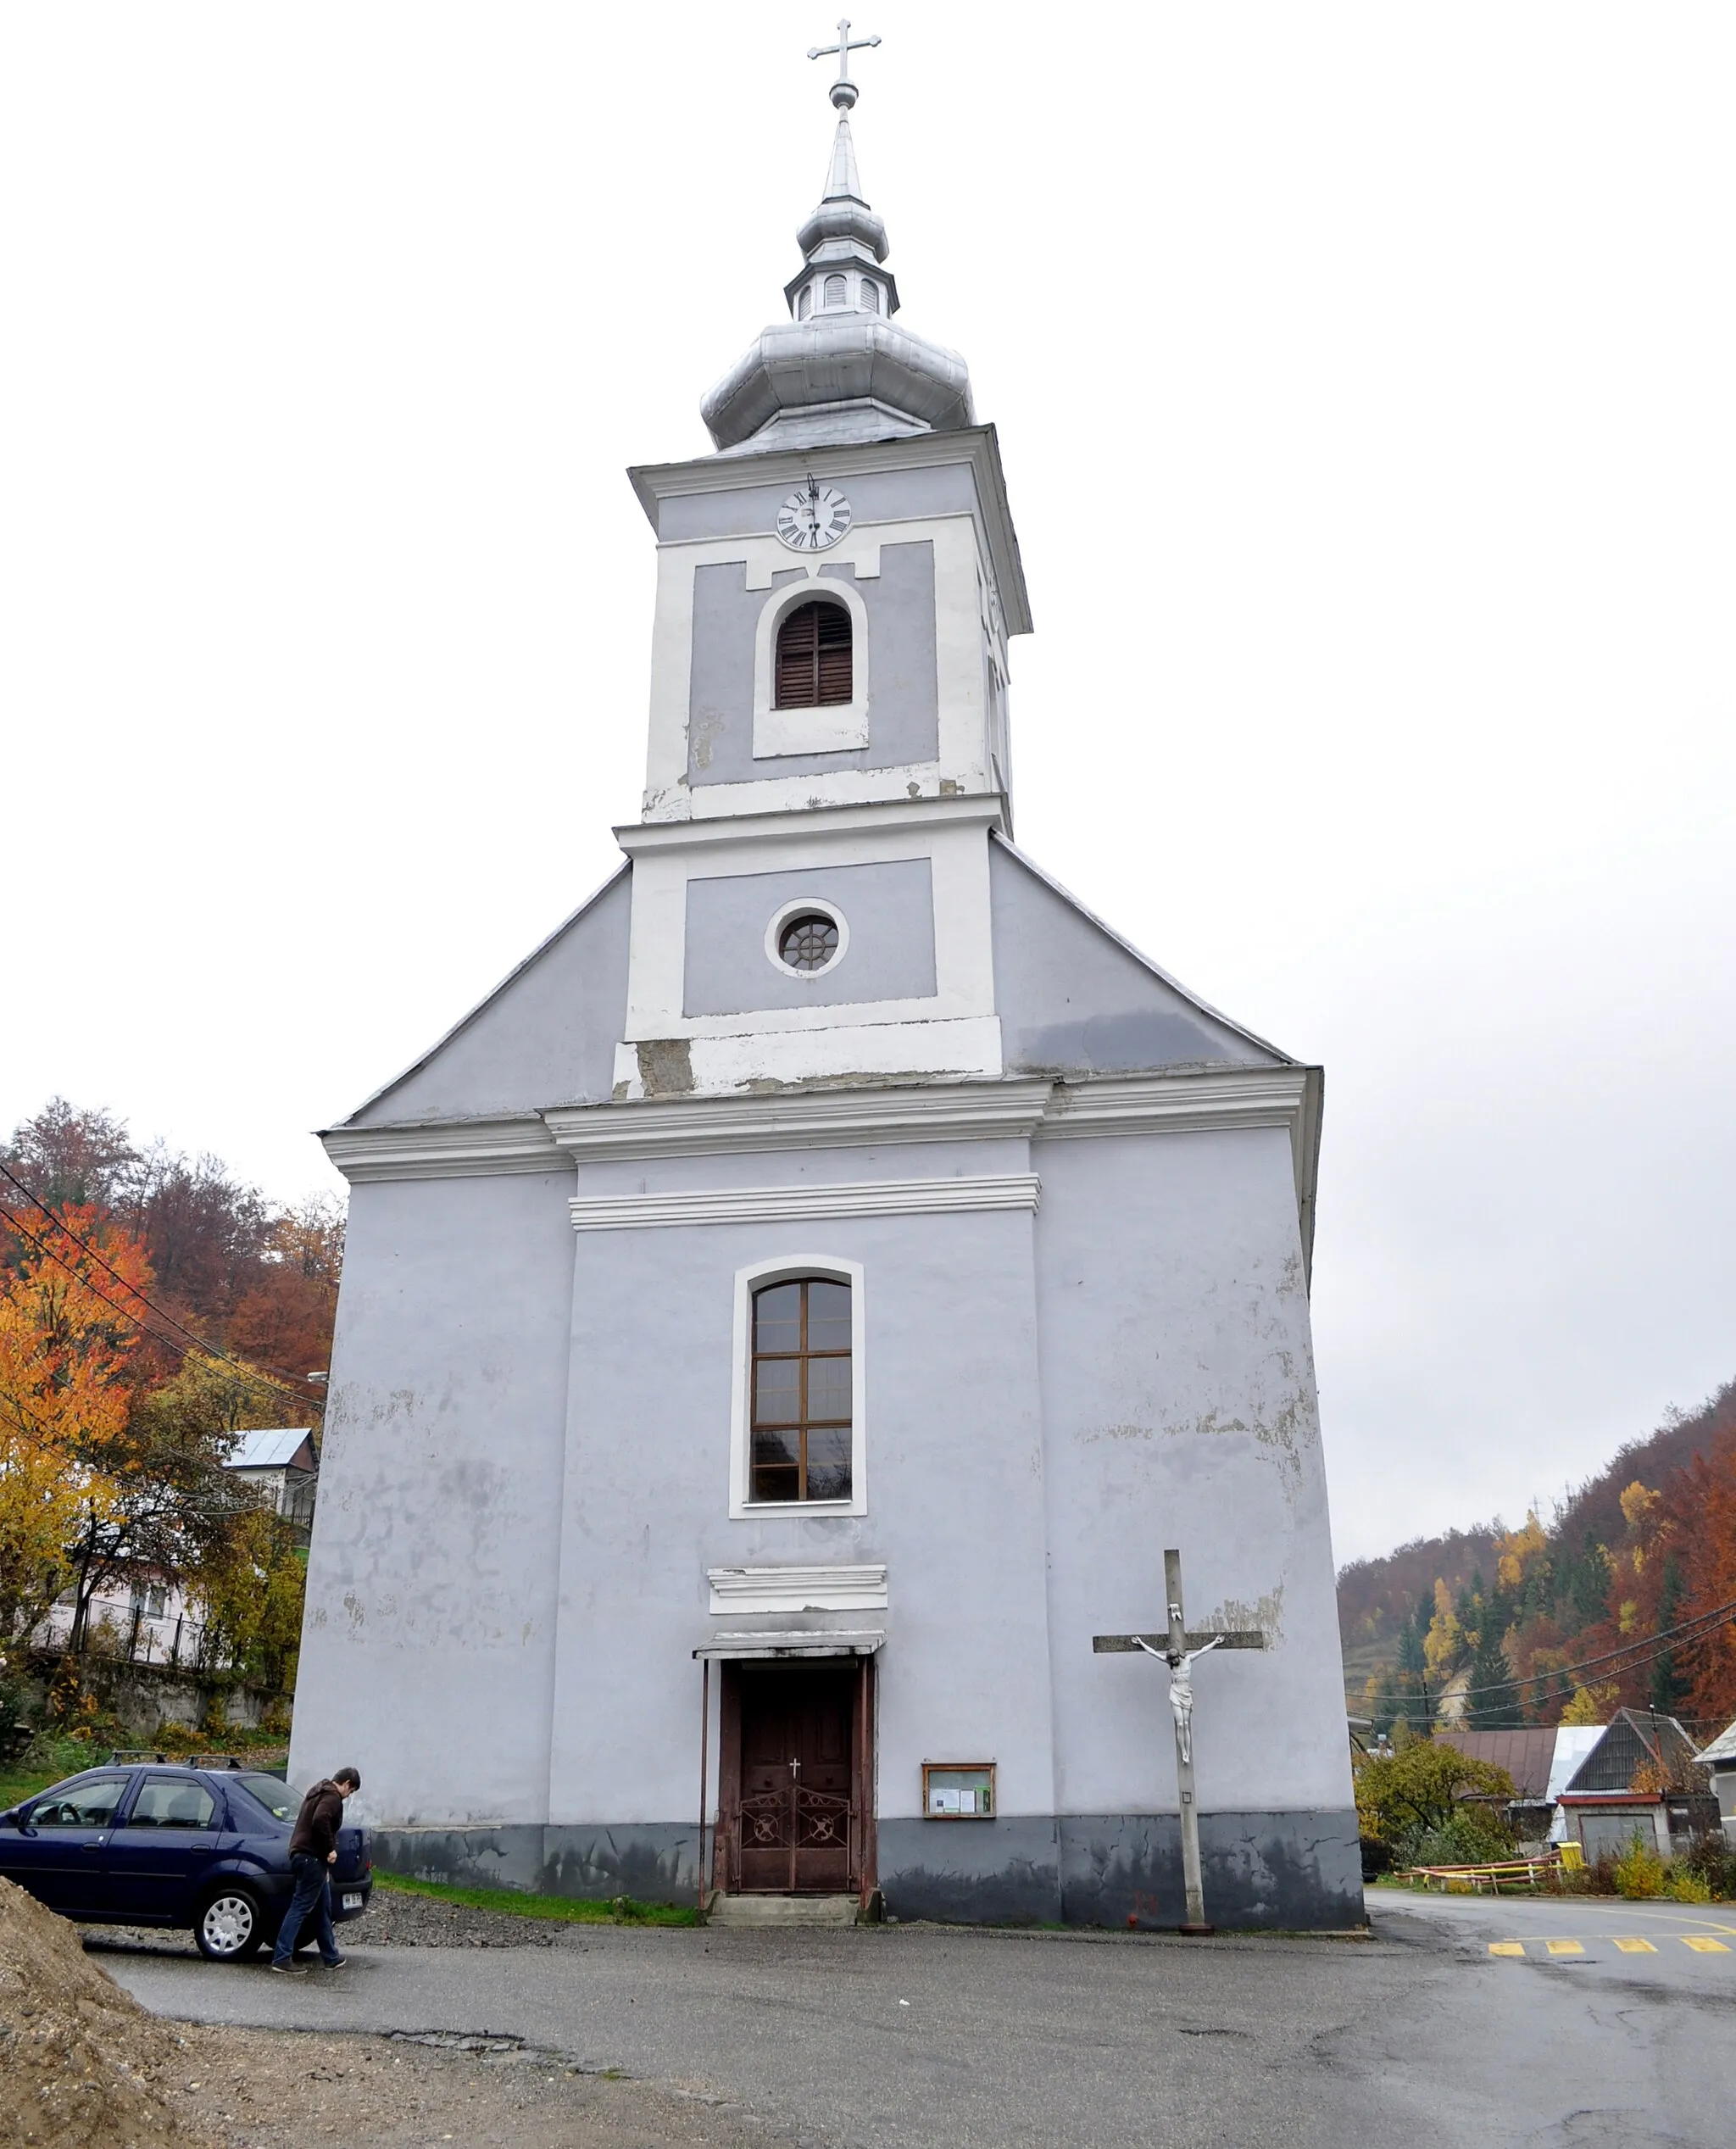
<point>229,1927</point>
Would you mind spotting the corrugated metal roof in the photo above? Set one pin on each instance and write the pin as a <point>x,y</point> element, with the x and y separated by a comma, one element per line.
<point>271,1448</point>
<point>1573,1741</point>
<point>1525,1753</point>
<point>1723,1747</point>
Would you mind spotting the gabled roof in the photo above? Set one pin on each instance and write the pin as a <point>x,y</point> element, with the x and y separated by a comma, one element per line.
<point>1634,1737</point>
<point>274,1447</point>
<point>1527,1754</point>
<point>1722,1748</point>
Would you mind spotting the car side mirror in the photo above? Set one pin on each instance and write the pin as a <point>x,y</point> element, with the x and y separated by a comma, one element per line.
<point>13,1818</point>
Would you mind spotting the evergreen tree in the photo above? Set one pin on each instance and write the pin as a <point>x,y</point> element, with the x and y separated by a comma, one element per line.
<point>1669,1687</point>
<point>1494,1701</point>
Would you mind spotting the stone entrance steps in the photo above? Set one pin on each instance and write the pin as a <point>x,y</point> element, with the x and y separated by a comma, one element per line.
<point>781,1911</point>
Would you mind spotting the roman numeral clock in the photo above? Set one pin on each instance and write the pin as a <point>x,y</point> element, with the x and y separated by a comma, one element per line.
<point>814,519</point>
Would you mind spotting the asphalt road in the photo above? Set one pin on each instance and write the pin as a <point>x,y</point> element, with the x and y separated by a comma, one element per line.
<point>976,2040</point>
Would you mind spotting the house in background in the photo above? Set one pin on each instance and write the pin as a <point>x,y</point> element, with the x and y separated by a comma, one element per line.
<point>1641,1778</point>
<point>282,1466</point>
<point>146,1615</point>
<point>1528,1757</point>
<point>1720,1758</point>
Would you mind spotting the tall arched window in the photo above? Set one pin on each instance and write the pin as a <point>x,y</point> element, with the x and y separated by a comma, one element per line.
<point>813,669</point>
<point>801,1408</point>
<point>804,302</point>
<point>835,292</point>
<point>870,294</point>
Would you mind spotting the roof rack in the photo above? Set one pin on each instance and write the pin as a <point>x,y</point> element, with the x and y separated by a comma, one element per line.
<point>137,1754</point>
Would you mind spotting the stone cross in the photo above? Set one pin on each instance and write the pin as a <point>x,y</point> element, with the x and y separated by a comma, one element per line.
<point>843,91</point>
<point>1178,1649</point>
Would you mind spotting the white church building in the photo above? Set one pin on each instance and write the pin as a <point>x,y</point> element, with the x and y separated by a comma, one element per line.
<point>792,1315</point>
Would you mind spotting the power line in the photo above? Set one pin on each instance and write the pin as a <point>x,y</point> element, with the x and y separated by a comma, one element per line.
<point>194,1341</point>
<point>1708,1620</point>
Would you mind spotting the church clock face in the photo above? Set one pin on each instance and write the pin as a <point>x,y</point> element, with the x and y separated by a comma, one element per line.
<point>814,519</point>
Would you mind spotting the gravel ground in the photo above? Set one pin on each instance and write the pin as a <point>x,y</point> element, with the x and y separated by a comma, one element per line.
<point>262,2088</point>
<point>391,1920</point>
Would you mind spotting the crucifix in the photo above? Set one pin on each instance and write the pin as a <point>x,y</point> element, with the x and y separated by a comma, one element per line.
<point>843,91</point>
<point>1178,1649</point>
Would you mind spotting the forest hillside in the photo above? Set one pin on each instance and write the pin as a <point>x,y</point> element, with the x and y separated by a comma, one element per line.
<point>1626,1596</point>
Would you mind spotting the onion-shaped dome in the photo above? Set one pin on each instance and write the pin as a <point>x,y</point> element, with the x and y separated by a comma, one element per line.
<point>839,370</point>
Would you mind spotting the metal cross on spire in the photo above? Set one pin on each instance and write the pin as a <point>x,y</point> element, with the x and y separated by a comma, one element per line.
<point>843,91</point>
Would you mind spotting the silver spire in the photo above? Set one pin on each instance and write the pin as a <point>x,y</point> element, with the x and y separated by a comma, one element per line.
<point>838,370</point>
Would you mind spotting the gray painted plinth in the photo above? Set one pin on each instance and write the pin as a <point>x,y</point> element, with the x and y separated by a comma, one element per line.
<point>652,1862</point>
<point>1300,1872</point>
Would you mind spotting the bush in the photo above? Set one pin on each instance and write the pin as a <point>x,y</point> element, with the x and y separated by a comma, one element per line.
<point>1639,1871</point>
<point>1469,1836</point>
<point>1712,1858</point>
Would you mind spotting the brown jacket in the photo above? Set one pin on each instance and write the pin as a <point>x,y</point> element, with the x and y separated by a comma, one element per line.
<point>317,1825</point>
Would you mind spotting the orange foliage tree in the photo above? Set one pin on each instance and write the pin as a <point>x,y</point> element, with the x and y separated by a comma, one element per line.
<point>68,1343</point>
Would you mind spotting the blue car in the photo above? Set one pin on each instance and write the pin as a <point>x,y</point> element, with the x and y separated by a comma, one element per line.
<point>206,1850</point>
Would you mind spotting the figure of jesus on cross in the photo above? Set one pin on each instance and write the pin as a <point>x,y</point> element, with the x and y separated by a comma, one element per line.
<point>1179,1650</point>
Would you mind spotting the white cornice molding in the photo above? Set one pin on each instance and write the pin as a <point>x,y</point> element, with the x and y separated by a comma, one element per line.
<point>796,1203</point>
<point>882,818</point>
<point>977,445</point>
<point>797,1588</point>
<point>466,1149</point>
<point>1175,1104</point>
<point>801,1119</point>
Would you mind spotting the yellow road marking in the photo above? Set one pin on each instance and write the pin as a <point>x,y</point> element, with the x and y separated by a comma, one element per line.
<point>1636,1947</point>
<point>1506,1947</point>
<point>1702,1946</point>
<point>1564,1947</point>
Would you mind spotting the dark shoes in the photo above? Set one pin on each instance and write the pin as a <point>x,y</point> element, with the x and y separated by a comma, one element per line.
<point>338,1964</point>
<point>289,1969</point>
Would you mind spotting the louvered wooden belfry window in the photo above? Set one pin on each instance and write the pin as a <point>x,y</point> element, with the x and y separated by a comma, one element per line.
<point>814,657</point>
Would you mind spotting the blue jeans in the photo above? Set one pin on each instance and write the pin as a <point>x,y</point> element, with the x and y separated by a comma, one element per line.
<point>310,1894</point>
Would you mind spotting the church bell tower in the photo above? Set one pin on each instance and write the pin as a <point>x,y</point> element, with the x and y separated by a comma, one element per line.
<point>829,747</point>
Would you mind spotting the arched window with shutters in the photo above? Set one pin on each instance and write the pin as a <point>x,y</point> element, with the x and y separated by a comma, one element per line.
<point>870,294</point>
<point>835,292</point>
<point>804,302</point>
<point>814,668</point>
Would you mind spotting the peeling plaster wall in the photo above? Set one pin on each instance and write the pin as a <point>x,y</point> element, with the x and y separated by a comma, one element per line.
<point>546,1037</point>
<point>1179,1408</point>
<point>428,1644</point>
<point>904,709</point>
<point>1073,1001</point>
<point>954,1456</point>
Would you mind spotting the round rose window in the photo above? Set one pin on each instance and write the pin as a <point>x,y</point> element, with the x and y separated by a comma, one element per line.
<point>808,942</point>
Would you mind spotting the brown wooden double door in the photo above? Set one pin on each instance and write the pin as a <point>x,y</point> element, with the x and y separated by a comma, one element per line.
<point>793,1815</point>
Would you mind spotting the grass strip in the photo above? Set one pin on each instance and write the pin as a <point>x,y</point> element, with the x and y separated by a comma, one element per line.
<point>570,1910</point>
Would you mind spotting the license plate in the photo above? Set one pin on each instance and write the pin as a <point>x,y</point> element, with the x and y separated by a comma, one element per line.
<point>352,1902</point>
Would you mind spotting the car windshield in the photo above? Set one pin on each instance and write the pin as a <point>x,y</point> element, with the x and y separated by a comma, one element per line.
<point>279,1798</point>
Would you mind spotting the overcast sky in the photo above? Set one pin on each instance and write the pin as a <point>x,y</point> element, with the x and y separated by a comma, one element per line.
<point>1378,360</point>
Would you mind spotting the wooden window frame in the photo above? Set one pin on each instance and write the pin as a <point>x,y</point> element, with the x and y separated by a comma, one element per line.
<point>955,1767</point>
<point>824,1268</point>
<point>802,1357</point>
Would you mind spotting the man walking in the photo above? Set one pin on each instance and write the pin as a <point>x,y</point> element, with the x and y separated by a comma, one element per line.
<point>313,1850</point>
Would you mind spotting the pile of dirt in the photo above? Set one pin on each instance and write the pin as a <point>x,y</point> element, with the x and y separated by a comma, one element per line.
<point>81,2065</point>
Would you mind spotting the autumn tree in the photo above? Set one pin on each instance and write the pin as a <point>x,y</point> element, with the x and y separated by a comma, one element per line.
<point>1418,1789</point>
<point>171,1505</point>
<point>66,1345</point>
